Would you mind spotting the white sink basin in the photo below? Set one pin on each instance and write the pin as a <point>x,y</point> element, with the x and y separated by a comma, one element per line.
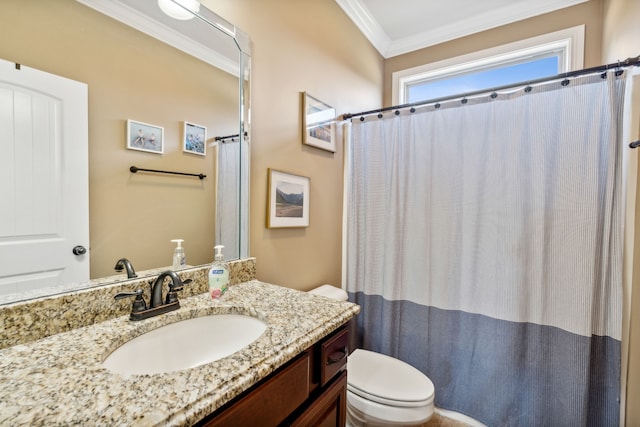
<point>185,344</point>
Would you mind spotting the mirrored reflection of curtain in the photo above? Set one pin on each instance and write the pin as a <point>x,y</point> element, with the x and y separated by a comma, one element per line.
<point>484,245</point>
<point>228,198</point>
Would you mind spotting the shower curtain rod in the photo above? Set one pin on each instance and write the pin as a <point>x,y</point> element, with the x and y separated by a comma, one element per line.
<point>222,138</point>
<point>629,62</point>
<point>231,137</point>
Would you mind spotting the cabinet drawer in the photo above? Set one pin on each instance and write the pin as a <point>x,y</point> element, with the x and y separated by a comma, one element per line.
<point>333,356</point>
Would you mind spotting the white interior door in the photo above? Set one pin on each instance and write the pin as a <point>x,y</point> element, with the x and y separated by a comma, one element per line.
<point>43,179</point>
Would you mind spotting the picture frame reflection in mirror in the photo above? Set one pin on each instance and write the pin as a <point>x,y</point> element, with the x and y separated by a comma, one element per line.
<point>145,137</point>
<point>194,139</point>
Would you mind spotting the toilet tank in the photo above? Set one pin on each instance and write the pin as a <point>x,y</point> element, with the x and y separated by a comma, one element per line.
<point>330,292</point>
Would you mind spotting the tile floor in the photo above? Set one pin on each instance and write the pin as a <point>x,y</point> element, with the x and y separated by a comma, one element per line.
<point>440,421</point>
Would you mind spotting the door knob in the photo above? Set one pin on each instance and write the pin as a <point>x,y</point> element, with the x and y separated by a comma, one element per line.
<point>79,250</point>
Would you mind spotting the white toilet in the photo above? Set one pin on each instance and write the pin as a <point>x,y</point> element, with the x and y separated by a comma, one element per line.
<point>381,390</point>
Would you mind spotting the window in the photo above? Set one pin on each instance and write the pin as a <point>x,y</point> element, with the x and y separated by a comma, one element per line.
<point>529,59</point>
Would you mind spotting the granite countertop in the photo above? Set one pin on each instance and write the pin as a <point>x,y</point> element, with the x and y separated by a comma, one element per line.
<point>60,380</point>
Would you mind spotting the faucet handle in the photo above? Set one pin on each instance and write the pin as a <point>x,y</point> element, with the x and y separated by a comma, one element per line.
<point>172,296</point>
<point>178,286</point>
<point>138,303</point>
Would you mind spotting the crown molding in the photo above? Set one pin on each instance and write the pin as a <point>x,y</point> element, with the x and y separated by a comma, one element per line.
<point>516,11</point>
<point>131,17</point>
<point>366,23</point>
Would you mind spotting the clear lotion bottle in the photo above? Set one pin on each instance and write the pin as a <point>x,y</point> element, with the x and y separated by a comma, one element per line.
<point>179,257</point>
<point>218,275</point>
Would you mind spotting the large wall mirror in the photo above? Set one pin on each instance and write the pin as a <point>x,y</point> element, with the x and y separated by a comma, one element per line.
<point>140,64</point>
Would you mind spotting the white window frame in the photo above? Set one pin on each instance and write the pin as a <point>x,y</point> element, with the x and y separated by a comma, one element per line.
<point>568,44</point>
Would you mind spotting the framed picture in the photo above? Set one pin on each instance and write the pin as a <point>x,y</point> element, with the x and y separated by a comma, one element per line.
<point>288,198</point>
<point>319,123</point>
<point>145,137</point>
<point>194,139</point>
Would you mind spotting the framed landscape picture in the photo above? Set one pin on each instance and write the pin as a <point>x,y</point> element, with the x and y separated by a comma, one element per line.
<point>288,198</point>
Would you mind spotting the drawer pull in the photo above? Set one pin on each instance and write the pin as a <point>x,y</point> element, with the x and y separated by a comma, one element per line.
<point>336,356</point>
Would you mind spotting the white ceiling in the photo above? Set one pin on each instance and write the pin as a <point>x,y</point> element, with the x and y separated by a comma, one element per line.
<point>401,26</point>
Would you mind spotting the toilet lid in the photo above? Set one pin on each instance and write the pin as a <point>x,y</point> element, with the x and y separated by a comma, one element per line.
<point>387,380</point>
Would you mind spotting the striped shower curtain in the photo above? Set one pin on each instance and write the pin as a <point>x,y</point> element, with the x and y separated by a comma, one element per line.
<point>228,197</point>
<point>484,245</point>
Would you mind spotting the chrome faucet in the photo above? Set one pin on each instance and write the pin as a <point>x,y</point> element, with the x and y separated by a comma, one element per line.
<point>124,263</point>
<point>140,311</point>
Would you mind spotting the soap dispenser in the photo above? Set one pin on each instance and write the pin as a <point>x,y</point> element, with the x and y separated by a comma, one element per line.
<point>179,258</point>
<point>218,275</point>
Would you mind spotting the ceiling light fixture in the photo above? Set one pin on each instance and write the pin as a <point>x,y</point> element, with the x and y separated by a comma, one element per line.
<point>179,9</point>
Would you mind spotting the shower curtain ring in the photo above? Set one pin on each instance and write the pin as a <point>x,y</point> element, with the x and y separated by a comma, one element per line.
<point>619,71</point>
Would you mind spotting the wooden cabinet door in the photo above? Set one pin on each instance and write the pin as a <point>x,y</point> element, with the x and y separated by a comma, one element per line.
<point>270,402</point>
<point>330,409</point>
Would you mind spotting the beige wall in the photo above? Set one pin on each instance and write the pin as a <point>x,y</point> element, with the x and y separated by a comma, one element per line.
<point>621,30</point>
<point>131,76</point>
<point>589,14</point>
<point>301,46</point>
<point>620,37</point>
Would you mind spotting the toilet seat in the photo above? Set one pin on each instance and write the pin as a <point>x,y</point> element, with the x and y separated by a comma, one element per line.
<point>386,380</point>
<point>364,412</point>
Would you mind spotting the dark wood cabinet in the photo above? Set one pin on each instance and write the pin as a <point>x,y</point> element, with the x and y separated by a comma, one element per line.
<point>329,409</point>
<point>310,390</point>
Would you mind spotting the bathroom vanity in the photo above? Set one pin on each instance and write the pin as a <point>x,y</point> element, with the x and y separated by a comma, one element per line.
<point>310,390</point>
<point>293,373</point>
